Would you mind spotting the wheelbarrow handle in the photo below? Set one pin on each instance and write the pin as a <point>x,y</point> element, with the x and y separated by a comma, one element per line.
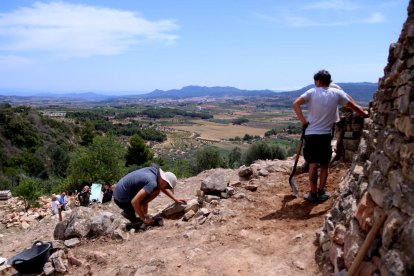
<point>18,260</point>
<point>36,242</point>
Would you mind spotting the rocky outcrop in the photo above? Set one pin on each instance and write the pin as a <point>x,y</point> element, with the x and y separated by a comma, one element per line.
<point>381,180</point>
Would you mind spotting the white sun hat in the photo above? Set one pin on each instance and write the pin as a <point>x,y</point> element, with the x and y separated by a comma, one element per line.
<point>169,177</point>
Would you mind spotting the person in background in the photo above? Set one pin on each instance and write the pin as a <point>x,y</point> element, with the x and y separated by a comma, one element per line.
<point>83,197</point>
<point>135,190</point>
<point>63,200</point>
<point>322,104</point>
<point>107,193</point>
<point>55,205</point>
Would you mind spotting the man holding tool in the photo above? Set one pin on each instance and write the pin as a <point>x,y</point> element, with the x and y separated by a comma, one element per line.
<point>322,104</point>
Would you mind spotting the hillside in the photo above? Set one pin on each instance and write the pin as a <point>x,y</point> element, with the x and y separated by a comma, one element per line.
<point>359,91</point>
<point>254,232</point>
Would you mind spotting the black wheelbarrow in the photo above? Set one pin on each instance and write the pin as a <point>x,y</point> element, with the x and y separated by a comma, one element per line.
<point>32,260</point>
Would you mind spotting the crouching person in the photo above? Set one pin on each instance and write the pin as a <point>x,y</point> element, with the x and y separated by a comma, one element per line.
<point>135,190</point>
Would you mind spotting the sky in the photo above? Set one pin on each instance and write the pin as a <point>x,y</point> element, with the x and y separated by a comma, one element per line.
<point>133,46</point>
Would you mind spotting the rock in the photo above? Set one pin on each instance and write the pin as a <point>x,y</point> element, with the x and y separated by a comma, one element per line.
<point>79,224</point>
<point>245,171</point>
<point>192,204</point>
<point>336,256</point>
<point>189,215</point>
<point>392,227</point>
<point>240,195</point>
<point>25,225</point>
<point>173,210</point>
<point>367,268</point>
<point>209,198</point>
<point>251,187</point>
<point>72,242</point>
<point>202,212</point>
<point>59,232</point>
<point>392,264</point>
<point>48,268</point>
<point>98,257</point>
<point>407,238</point>
<point>352,242</point>
<point>365,211</point>
<point>101,223</point>
<point>216,182</point>
<point>73,260</point>
<point>60,263</point>
<point>263,172</point>
<point>119,234</point>
<point>338,235</point>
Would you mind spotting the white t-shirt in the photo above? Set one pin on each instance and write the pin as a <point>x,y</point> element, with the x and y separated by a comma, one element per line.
<point>323,104</point>
<point>54,205</point>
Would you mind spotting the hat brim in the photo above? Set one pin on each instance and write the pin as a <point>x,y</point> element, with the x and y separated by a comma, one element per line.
<point>164,177</point>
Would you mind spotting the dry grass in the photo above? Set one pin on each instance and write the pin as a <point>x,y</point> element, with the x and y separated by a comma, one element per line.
<point>214,131</point>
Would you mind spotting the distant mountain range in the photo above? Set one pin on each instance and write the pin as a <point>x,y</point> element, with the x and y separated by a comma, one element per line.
<point>362,91</point>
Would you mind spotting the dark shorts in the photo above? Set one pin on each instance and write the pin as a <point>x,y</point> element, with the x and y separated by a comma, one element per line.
<point>318,148</point>
<point>126,206</point>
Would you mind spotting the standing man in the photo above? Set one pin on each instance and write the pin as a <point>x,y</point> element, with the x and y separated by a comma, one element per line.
<point>322,104</point>
<point>63,200</point>
<point>135,190</point>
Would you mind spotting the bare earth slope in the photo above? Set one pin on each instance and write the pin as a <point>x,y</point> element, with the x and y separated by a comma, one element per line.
<point>266,233</point>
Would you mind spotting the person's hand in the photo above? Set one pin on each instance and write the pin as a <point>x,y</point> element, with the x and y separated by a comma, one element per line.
<point>181,200</point>
<point>148,221</point>
<point>304,124</point>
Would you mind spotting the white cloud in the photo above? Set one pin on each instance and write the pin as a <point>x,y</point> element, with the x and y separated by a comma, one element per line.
<point>78,30</point>
<point>375,18</point>
<point>332,5</point>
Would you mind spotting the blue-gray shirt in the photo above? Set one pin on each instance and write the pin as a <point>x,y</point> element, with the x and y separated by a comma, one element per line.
<point>129,185</point>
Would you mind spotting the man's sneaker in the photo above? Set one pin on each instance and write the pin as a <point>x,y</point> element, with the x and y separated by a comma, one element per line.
<point>132,219</point>
<point>323,195</point>
<point>312,197</point>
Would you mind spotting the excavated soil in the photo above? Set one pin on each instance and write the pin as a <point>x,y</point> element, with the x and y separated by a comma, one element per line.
<point>268,232</point>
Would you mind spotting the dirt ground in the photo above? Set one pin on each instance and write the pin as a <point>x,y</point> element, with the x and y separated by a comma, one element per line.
<point>268,232</point>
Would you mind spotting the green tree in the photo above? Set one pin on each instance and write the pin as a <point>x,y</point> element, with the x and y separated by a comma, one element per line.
<point>29,164</point>
<point>87,134</point>
<point>209,158</point>
<point>235,157</point>
<point>28,190</point>
<point>138,153</point>
<point>59,157</point>
<point>263,150</point>
<point>102,161</point>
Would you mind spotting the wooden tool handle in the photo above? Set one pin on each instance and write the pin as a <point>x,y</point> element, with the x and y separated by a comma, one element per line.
<point>366,245</point>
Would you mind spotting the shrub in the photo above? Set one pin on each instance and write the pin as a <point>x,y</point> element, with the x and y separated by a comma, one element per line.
<point>28,190</point>
<point>209,158</point>
<point>263,150</point>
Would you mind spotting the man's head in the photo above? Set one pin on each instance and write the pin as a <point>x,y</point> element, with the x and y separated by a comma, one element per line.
<point>169,178</point>
<point>323,77</point>
<point>63,193</point>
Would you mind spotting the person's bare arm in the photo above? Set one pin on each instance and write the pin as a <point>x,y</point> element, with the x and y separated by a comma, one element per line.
<point>358,109</point>
<point>137,203</point>
<point>298,110</point>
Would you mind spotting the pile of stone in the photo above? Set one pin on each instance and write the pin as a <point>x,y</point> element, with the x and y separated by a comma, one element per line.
<point>90,222</point>
<point>219,185</point>
<point>13,214</point>
<point>381,181</point>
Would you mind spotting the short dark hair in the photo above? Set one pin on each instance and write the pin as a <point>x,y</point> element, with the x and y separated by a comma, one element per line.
<point>324,76</point>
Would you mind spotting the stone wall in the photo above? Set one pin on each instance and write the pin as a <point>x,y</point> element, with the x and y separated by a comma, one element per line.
<point>381,180</point>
